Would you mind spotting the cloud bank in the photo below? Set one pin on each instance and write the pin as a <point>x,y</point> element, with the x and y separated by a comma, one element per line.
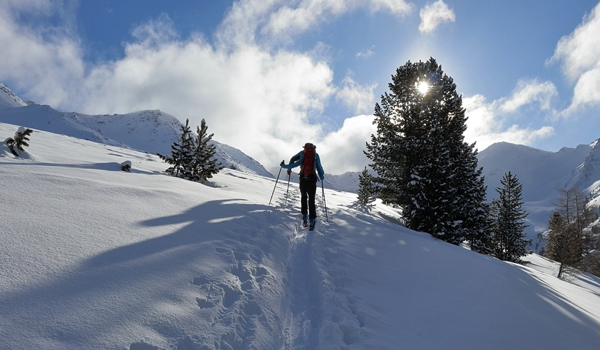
<point>254,96</point>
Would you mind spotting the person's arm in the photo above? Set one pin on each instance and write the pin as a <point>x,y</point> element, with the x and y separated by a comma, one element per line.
<point>320,168</point>
<point>294,161</point>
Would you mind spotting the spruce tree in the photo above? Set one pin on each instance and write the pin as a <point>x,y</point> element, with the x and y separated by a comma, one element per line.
<point>204,165</point>
<point>509,237</point>
<point>477,224</point>
<point>366,189</point>
<point>419,155</point>
<point>182,154</point>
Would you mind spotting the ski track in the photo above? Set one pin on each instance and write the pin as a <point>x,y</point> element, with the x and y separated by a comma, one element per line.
<point>321,312</point>
<point>304,276</point>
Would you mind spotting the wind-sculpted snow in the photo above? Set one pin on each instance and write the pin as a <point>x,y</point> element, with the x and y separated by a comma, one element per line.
<point>94,257</point>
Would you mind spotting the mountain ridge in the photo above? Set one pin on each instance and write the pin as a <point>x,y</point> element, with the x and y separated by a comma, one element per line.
<point>151,131</point>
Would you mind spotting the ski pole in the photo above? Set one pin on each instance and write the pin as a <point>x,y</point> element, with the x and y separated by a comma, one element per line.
<point>324,202</point>
<point>288,187</point>
<point>282,162</point>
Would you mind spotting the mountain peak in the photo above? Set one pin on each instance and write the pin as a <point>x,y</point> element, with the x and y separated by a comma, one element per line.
<point>9,99</point>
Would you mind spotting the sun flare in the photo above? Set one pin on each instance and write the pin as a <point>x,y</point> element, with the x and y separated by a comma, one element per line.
<point>423,87</point>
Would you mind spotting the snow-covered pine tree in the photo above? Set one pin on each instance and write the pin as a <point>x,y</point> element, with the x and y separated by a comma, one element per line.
<point>205,165</point>
<point>422,163</point>
<point>182,154</point>
<point>509,237</point>
<point>19,141</point>
<point>366,189</point>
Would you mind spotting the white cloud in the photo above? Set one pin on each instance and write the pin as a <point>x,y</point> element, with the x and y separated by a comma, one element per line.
<point>281,20</point>
<point>366,53</point>
<point>528,92</point>
<point>289,20</point>
<point>579,55</point>
<point>47,61</point>
<point>250,99</point>
<point>398,7</point>
<point>356,96</point>
<point>486,125</point>
<point>253,97</point>
<point>435,14</point>
<point>343,149</point>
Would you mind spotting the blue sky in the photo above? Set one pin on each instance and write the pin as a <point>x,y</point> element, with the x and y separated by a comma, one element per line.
<point>269,75</point>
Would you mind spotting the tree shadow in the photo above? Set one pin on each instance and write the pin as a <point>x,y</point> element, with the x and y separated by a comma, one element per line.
<point>151,266</point>
<point>209,221</point>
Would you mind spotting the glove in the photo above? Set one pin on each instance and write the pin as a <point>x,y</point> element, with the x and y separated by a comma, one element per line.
<point>289,172</point>
<point>322,177</point>
<point>282,163</point>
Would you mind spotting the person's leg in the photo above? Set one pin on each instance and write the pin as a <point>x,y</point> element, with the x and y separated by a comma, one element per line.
<point>311,189</point>
<point>303,198</point>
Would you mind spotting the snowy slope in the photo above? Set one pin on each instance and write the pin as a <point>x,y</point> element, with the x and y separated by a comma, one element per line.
<point>149,131</point>
<point>96,258</point>
<point>8,99</point>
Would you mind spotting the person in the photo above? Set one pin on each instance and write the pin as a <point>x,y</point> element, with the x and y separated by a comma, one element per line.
<point>310,171</point>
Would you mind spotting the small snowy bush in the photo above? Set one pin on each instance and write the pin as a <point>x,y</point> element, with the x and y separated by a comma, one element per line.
<point>19,141</point>
<point>126,166</point>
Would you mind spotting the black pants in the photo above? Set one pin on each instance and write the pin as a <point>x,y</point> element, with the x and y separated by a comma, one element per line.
<point>308,189</point>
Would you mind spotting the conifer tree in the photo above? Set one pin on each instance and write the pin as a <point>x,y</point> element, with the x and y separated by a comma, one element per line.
<point>205,166</point>
<point>570,239</point>
<point>366,189</point>
<point>477,224</point>
<point>182,153</point>
<point>509,237</point>
<point>560,242</point>
<point>419,155</point>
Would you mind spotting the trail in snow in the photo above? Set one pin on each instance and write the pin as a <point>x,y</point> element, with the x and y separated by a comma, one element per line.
<point>320,313</point>
<point>96,258</point>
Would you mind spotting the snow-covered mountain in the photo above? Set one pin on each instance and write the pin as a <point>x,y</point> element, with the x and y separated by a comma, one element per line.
<point>94,257</point>
<point>542,173</point>
<point>9,99</point>
<point>149,131</point>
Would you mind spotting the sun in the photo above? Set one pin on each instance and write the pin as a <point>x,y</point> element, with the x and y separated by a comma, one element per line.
<point>423,87</point>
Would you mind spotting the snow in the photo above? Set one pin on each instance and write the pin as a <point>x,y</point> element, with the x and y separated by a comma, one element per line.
<point>97,258</point>
<point>8,99</point>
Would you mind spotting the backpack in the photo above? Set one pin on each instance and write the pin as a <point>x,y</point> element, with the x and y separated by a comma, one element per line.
<point>309,160</point>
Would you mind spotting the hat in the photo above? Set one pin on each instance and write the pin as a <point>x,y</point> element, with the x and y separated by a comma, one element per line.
<point>308,144</point>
